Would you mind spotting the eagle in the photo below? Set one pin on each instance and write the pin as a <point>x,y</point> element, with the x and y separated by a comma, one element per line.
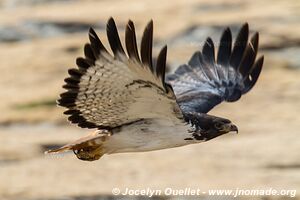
<point>135,107</point>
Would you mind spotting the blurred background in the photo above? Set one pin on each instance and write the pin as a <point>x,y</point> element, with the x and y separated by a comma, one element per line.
<point>39,41</point>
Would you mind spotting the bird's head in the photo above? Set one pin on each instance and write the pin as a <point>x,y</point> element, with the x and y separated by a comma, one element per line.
<point>221,126</point>
<point>207,127</point>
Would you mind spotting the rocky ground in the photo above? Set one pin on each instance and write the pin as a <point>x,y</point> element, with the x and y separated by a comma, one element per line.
<point>39,41</point>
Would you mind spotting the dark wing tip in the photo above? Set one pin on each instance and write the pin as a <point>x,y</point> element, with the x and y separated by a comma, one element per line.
<point>130,41</point>
<point>146,45</point>
<point>209,50</point>
<point>130,22</point>
<point>243,33</point>
<point>244,29</point>
<point>110,22</point>
<point>255,38</point>
<point>96,43</point>
<point>254,74</point>
<point>76,118</point>
<point>239,46</point>
<point>226,36</point>
<point>150,24</point>
<point>76,73</point>
<point>257,67</point>
<point>226,30</point>
<point>111,19</point>
<point>92,33</point>
<point>82,63</point>
<point>113,38</point>
<point>161,64</point>
<point>249,56</point>
<point>224,51</point>
<point>88,52</point>
<point>245,26</point>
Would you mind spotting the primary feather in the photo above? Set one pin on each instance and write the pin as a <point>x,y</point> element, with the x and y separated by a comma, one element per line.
<point>205,82</point>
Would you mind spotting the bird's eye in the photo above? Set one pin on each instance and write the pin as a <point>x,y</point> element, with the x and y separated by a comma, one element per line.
<point>218,125</point>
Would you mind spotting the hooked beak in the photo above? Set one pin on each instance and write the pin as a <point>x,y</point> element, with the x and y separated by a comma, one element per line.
<point>234,128</point>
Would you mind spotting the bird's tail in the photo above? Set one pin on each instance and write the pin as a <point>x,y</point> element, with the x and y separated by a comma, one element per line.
<point>87,148</point>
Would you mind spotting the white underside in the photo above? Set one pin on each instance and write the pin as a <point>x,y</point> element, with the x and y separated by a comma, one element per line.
<point>139,137</point>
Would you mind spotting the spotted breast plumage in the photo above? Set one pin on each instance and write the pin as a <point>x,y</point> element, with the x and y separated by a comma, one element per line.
<point>134,107</point>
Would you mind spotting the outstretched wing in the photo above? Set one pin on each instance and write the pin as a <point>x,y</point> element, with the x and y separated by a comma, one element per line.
<point>205,81</point>
<point>109,91</point>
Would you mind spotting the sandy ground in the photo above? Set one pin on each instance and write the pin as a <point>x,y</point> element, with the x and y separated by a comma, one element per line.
<point>266,153</point>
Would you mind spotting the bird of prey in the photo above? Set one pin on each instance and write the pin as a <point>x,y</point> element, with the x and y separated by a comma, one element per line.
<point>134,107</point>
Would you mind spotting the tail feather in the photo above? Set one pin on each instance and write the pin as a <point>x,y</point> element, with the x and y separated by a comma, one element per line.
<point>87,148</point>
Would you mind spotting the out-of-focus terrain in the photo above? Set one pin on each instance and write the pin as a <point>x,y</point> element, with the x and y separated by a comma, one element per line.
<point>39,41</point>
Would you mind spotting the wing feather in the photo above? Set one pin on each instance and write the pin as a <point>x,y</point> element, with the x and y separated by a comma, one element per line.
<point>131,45</point>
<point>89,54</point>
<point>225,48</point>
<point>205,82</point>
<point>161,64</point>
<point>208,51</point>
<point>109,91</point>
<point>96,43</point>
<point>249,56</point>
<point>251,79</point>
<point>114,39</point>
<point>146,46</point>
<point>239,46</point>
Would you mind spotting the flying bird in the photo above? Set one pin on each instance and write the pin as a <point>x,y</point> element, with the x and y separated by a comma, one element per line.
<point>134,107</point>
